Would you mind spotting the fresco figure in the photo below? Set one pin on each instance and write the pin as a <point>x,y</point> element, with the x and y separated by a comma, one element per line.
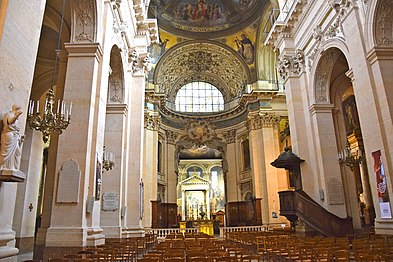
<point>199,11</point>
<point>245,48</point>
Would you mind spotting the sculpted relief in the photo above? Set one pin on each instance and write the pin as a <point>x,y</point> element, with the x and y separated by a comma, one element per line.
<point>83,21</point>
<point>202,62</point>
<point>383,26</point>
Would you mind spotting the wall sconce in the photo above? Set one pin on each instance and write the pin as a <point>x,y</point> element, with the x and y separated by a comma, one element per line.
<point>108,160</point>
<point>350,158</point>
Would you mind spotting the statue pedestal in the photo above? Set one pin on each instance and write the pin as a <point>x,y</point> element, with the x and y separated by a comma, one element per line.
<point>7,175</point>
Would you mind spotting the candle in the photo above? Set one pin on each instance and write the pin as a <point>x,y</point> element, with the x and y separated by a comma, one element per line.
<point>58,107</point>
<point>70,108</point>
<point>38,107</point>
<point>62,108</point>
<point>30,107</point>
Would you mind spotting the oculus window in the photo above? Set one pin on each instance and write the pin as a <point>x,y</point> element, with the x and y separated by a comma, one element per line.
<point>199,97</point>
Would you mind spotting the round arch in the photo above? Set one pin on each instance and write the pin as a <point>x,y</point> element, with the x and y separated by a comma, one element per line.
<point>202,60</point>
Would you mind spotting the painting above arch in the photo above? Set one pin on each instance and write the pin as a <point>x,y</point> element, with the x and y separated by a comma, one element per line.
<point>192,18</point>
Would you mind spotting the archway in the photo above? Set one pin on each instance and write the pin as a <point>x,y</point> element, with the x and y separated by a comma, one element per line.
<point>340,94</point>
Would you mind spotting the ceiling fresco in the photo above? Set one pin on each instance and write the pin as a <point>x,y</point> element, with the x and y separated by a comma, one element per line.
<point>196,18</point>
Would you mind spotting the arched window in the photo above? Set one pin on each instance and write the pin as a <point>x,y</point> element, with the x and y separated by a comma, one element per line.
<point>199,97</point>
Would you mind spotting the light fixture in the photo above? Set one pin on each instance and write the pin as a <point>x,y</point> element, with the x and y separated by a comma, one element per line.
<point>350,157</point>
<point>49,120</point>
<point>108,160</point>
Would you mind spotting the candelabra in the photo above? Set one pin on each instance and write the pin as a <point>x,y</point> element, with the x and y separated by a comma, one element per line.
<point>49,121</point>
<point>108,160</point>
<point>349,157</point>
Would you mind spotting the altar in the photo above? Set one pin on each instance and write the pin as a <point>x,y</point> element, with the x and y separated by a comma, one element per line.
<point>205,226</point>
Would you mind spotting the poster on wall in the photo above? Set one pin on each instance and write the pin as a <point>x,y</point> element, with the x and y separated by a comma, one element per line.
<point>383,194</point>
<point>98,179</point>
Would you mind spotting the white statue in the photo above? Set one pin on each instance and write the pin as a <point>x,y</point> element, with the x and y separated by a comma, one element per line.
<point>11,140</point>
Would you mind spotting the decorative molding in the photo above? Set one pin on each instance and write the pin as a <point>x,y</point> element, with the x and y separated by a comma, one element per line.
<point>116,81</point>
<point>322,76</point>
<point>230,136</point>
<point>263,120</point>
<point>152,122</point>
<point>171,137</point>
<point>291,65</point>
<point>341,7</point>
<point>84,21</point>
<point>380,53</point>
<point>202,61</point>
<point>200,132</point>
<point>383,26</point>
<point>139,63</point>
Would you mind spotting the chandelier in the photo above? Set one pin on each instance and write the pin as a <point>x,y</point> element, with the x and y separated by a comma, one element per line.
<point>49,120</point>
<point>349,157</point>
<point>108,160</point>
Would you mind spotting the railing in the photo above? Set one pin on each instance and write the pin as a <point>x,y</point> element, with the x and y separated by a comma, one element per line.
<point>297,204</point>
<point>163,232</point>
<point>277,17</point>
<point>224,230</point>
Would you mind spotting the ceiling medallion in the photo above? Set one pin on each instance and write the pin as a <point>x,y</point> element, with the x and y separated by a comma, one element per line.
<point>200,132</point>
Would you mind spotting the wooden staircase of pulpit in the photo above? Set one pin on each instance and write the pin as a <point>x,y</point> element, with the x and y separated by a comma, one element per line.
<point>298,205</point>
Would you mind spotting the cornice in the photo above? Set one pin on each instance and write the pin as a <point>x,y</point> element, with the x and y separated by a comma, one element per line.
<point>117,109</point>
<point>321,108</point>
<point>379,53</point>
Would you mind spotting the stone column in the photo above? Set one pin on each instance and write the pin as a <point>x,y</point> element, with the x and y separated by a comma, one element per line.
<point>18,52</point>
<point>76,217</point>
<point>113,180</point>
<point>291,69</point>
<point>171,175</point>
<point>275,177</point>
<point>135,164</point>
<point>31,164</point>
<point>328,168</point>
<point>231,186</point>
<point>207,203</point>
<point>183,202</point>
<point>258,166</point>
<point>150,163</point>
<point>372,81</point>
<point>27,194</point>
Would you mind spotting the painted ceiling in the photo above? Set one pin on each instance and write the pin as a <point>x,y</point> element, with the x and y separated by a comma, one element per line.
<point>199,18</point>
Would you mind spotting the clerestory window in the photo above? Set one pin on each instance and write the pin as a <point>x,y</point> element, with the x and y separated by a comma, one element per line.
<point>199,97</point>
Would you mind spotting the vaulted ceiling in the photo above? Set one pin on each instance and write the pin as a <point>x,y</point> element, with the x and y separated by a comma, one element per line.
<point>202,18</point>
<point>206,40</point>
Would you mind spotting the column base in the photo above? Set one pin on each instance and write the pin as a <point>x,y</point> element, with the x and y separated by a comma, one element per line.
<point>133,232</point>
<point>384,226</point>
<point>8,254</point>
<point>7,175</point>
<point>25,244</point>
<point>112,232</point>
